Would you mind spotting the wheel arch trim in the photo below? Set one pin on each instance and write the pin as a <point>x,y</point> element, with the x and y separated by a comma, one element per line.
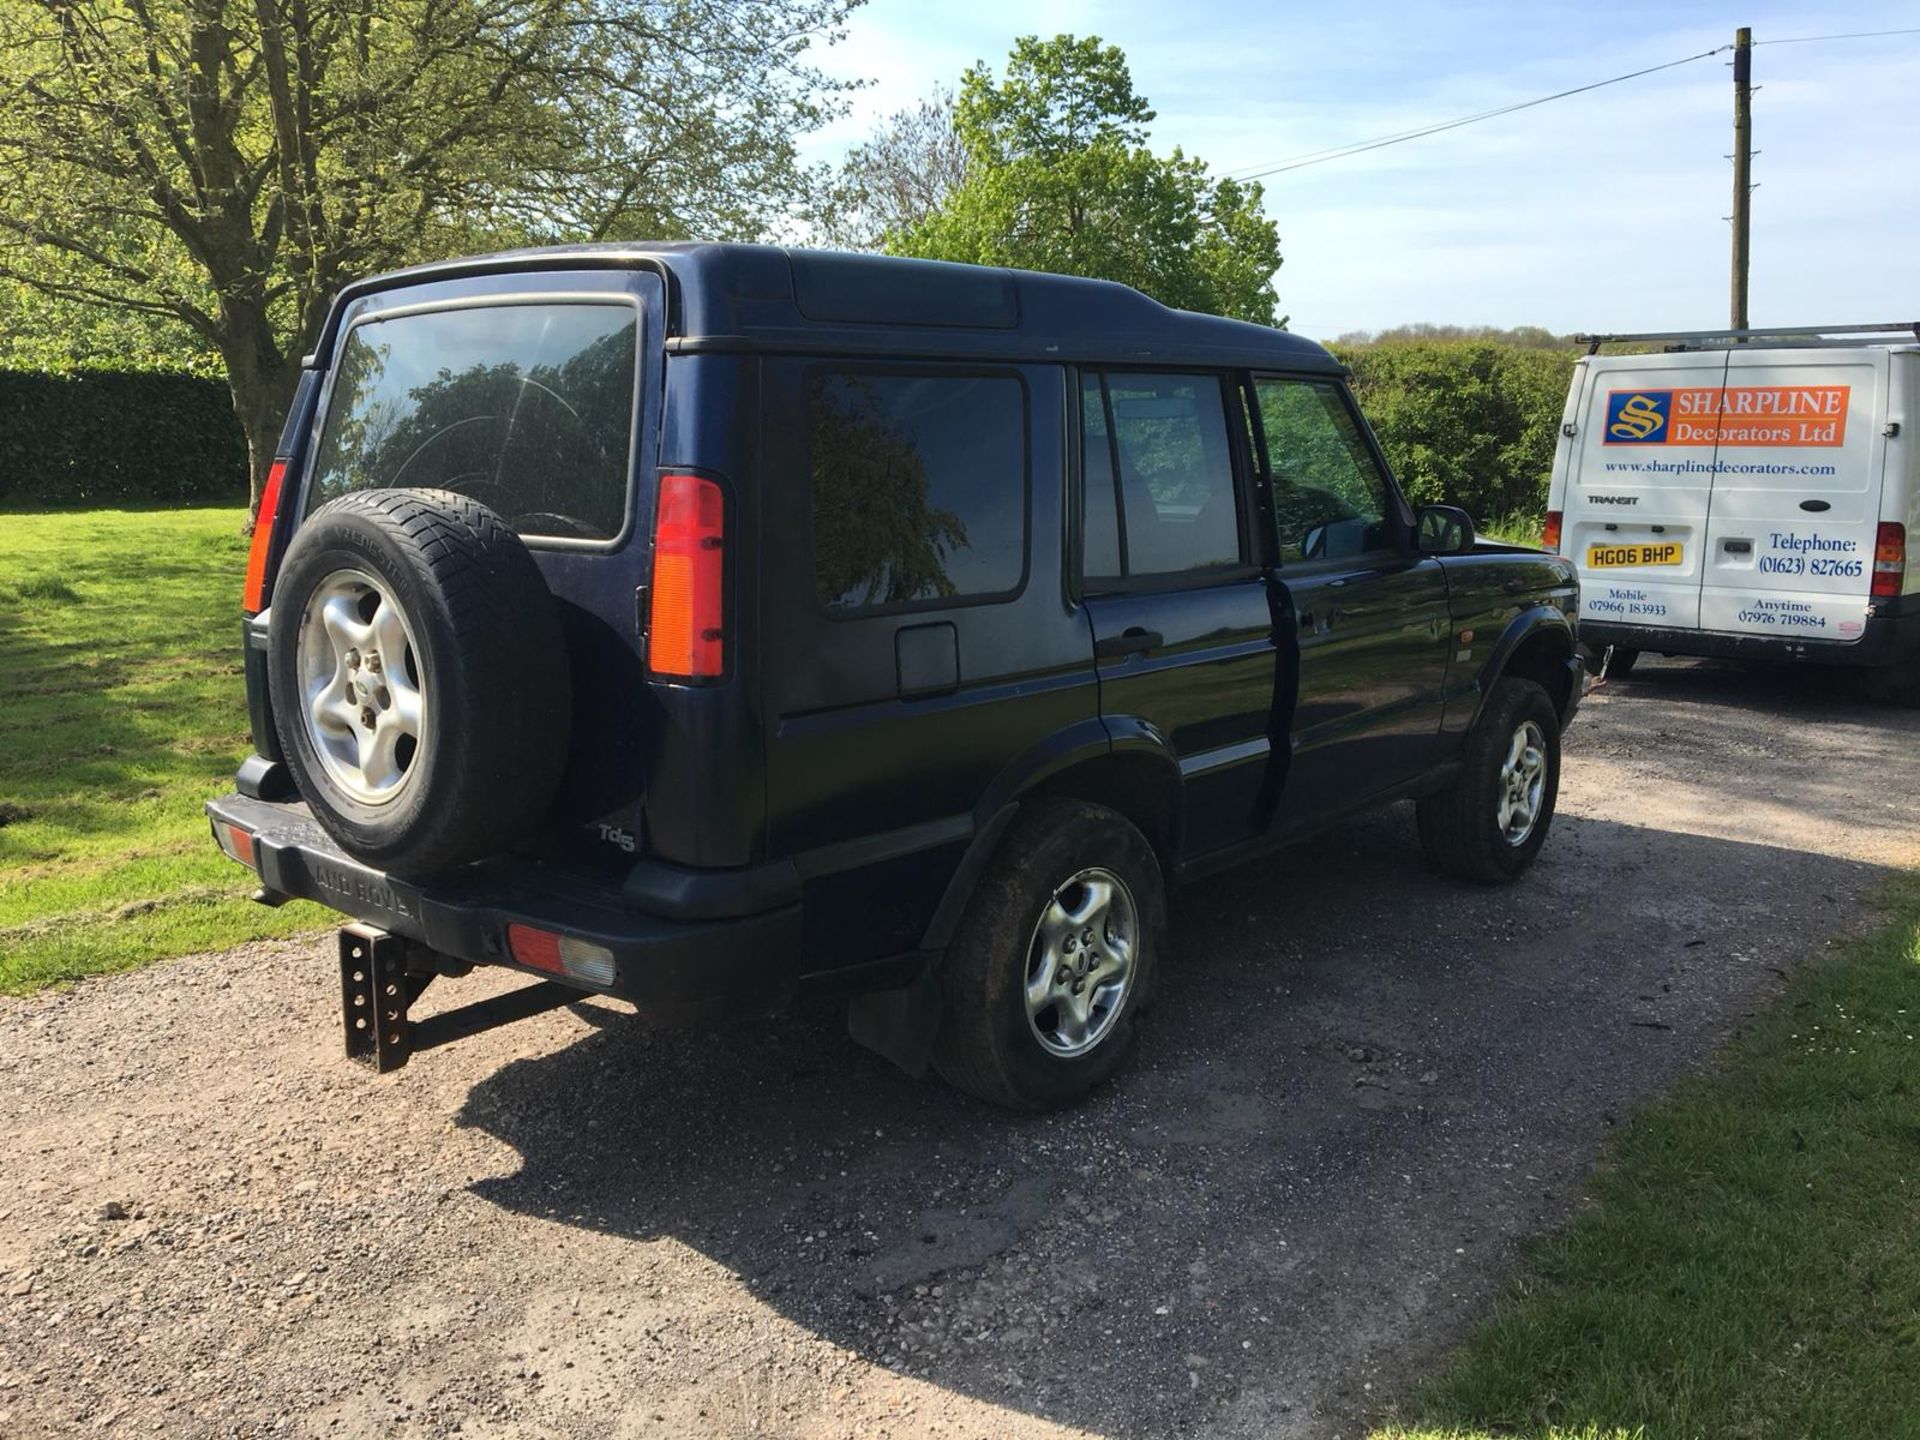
<point>1083,743</point>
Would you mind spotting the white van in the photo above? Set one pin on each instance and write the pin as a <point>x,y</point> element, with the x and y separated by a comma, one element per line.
<point>1746,494</point>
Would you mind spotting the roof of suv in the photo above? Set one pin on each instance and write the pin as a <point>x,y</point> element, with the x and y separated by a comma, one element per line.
<point>765,297</point>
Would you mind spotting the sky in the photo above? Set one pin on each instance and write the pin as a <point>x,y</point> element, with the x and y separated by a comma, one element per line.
<point>1601,212</point>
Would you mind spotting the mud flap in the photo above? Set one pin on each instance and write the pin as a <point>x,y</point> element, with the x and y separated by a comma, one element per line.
<point>899,1025</point>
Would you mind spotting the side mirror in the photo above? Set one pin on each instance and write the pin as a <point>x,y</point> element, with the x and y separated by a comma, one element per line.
<point>1443,530</point>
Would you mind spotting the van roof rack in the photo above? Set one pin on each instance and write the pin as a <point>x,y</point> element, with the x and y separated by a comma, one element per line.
<point>1782,336</point>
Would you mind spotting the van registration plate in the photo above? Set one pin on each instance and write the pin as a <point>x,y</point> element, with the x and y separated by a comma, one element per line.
<point>1614,557</point>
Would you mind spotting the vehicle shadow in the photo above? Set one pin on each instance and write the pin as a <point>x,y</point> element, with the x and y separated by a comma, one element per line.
<point>1784,686</point>
<point>1362,1086</point>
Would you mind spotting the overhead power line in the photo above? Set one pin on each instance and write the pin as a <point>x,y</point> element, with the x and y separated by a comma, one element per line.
<point>1852,35</point>
<point>1338,152</point>
<point>1360,147</point>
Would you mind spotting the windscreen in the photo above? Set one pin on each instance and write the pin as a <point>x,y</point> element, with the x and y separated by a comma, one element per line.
<point>526,408</point>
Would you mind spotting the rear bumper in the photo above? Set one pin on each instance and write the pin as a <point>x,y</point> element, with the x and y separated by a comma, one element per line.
<point>1889,639</point>
<point>658,962</point>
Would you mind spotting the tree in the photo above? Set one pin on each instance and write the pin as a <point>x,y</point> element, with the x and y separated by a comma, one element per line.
<point>878,537</point>
<point>1466,422</point>
<point>1059,178</point>
<point>42,332</point>
<point>1525,337</point>
<point>905,172</point>
<point>231,163</point>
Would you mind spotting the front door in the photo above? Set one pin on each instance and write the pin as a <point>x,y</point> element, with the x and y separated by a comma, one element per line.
<point>1183,633</point>
<point>1369,612</point>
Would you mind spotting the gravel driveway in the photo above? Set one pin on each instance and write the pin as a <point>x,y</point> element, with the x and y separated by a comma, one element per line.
<point>1363,1086</point>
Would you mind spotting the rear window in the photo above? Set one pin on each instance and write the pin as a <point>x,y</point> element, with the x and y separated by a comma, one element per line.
<point>526,408</point>
<point>919,488</point>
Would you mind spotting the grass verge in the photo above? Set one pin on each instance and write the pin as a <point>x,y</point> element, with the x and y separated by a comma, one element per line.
<point>1749,1264</point>
<point>121,712</point>
<point>1519,528</point>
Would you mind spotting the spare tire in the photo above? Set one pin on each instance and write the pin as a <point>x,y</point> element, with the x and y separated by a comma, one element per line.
<point>419,678</point>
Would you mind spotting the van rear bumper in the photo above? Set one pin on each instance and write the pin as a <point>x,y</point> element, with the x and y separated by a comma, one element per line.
<point>1886,639</point>
<point>669,964</point>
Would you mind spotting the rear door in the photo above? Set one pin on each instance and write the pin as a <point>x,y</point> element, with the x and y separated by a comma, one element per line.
<point>1796,494</point>
<point>1635,512</point>
<point>1182,628</point>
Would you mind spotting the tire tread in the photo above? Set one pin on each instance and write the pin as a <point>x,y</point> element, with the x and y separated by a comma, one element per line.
<point>1455,834</point>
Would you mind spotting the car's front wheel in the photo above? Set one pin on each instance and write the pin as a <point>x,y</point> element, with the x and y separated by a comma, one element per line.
<point>1054,959</point>
<point>1491,822</point>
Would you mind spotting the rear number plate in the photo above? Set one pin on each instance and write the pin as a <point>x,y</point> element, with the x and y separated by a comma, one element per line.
<point>1614,557</point>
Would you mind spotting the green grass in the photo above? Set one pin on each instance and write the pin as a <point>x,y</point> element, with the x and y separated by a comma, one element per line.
<point>1749,1264</point>
<point>1517,529</point>
<point>121,712</point>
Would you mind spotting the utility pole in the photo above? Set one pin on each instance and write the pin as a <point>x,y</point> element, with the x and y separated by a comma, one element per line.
<point>1742,166</point>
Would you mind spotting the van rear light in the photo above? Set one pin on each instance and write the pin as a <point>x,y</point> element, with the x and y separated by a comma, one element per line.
<point>561,954</point>
<point>253,599</point>
<point>686,636</point>
<point>1889,560</point>
<point>1550,531</point>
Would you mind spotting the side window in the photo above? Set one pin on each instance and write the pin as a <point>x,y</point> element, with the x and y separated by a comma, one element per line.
<point>1100,509</point>
<point>919,487</point>
<point>1165,457</point>
<point>1330,500</point>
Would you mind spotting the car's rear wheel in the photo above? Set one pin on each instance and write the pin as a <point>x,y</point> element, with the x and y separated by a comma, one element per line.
<point>419,678</point>
<point>1621,662</point>
<point>1054,960</point>
<point>1491,822</point>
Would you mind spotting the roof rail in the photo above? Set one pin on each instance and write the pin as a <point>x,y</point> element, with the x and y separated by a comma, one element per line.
<point>1791,334</point>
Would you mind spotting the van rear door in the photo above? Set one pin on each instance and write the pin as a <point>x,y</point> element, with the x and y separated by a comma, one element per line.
<point>1635,511</point>
<point>1796,494</point>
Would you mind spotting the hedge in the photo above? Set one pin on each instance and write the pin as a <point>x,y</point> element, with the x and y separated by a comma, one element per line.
<point>1470,423</point>
<point>100,437</point>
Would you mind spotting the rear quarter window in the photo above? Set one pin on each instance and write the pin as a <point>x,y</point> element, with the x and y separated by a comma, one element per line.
<point>919,488</point>
<point>526,408</point>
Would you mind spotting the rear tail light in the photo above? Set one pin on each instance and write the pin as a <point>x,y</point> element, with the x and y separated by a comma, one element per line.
<point>686,636</point>
<point>236,842</point>
<point>1550,531</point>
<point>254,597</point>
<point>561,954</point>
<point>1889,560</point>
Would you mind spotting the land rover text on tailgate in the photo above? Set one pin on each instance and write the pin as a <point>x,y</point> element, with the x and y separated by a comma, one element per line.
<point>696,623</point>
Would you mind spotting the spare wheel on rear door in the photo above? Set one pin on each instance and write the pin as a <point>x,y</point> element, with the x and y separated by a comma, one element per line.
<point>419,678</point>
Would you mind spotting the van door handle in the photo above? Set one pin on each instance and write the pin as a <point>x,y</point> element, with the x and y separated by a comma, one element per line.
<point>1134,640</point>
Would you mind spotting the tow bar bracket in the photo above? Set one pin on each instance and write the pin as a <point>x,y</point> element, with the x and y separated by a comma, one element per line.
<point>381,975</point>
<point>376,991</point>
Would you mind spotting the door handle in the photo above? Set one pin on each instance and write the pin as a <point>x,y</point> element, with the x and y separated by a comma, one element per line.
<point>1134,640</point>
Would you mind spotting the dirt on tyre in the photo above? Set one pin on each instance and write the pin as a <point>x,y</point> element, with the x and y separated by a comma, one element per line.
<point>1054,959</point>
<point>419,678</point>
<point>1491,822</point>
